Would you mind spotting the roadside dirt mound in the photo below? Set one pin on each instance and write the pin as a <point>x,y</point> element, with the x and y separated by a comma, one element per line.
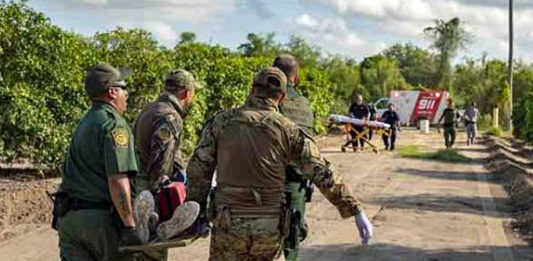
<point>24,206</point>
<point>517,178</point>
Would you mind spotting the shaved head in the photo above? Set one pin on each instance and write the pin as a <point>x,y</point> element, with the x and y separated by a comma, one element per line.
<point>288,64</point>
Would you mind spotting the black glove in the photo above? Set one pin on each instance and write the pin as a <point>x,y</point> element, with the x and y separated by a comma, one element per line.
<point>131,237</point>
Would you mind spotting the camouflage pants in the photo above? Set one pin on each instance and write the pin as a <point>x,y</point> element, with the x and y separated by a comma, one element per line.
<point>89,235</point>
<point>248,239</point>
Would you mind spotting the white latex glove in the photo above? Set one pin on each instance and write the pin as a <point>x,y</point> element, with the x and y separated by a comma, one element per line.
<point>365,228</point>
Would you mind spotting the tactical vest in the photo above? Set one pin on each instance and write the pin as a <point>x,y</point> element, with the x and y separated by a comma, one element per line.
<point>250,169</point>
<point>298,109</point>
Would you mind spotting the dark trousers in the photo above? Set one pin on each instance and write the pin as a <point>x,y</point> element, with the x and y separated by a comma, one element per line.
<point>390,145</point>
<point>356,142</point>
<point>449,136</point>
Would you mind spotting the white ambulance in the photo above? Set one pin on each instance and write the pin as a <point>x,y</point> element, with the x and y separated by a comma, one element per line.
<point>412,106</point>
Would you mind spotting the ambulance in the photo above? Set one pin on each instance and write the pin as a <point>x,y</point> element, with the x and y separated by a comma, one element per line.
<point>413,106</point>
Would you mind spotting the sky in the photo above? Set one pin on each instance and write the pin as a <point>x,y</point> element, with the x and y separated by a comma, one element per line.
<point>352,28</point>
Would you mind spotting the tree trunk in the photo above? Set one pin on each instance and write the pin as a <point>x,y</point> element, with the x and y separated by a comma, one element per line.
<point>510,67</point>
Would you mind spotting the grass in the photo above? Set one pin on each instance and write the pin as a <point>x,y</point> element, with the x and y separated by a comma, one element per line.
<point>495,131</point>
<point>445,155</point>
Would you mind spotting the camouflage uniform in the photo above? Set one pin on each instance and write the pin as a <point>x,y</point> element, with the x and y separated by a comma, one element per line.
<point>297,108</point>
<point>250,148</point>
<point>157,132</point>
<point>102,146</point>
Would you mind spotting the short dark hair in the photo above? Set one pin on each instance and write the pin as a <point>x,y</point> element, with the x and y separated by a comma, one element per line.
<point>286,63</point>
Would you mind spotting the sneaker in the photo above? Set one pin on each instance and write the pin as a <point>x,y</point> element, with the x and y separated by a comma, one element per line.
<point>143,209</point>
<point>183,217</point>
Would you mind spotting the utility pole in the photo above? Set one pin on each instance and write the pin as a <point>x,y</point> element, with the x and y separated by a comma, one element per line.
<point>510,67</point>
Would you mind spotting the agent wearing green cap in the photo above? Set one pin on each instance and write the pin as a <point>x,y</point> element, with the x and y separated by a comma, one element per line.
<point>250,148</point>
<point>157,131</point>
<point>99,164</point>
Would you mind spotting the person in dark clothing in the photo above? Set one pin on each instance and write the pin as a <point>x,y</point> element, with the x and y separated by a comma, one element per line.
<point>358,110</point>
<point>450,117</point>
<point>373,116</point>
<point>391,117</point>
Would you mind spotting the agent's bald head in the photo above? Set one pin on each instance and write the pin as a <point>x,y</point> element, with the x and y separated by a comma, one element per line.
<point>287,64</point>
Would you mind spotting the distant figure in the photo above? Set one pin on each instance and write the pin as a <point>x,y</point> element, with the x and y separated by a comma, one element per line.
<point>470,118</point>
<point>391,117</point>
<point>450,117</point>
<point>358,110</point>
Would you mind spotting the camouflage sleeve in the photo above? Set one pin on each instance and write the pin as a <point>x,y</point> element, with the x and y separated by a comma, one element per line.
<point>317,169</point>
<point>201,166</point>
<point>163,149</point>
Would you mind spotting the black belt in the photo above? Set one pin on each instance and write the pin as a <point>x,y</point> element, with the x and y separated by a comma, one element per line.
<point>80,204</point>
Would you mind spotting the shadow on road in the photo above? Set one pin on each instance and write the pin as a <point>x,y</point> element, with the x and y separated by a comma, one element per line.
<point>386,252</point>
<point>443,203</point>
<point>469,149</point>
<point>448,175</point>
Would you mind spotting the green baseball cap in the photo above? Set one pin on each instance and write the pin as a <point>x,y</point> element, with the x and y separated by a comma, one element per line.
<point>103,76</point>
<point>179,79</point>
<point>271,78</point>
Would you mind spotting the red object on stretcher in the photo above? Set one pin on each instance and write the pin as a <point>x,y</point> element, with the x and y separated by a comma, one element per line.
<point>169,198</point>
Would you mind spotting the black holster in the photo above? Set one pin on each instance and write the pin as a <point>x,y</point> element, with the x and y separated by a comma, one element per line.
<point>291,220</point>
<point>309,189</point>
<point>61,203</point>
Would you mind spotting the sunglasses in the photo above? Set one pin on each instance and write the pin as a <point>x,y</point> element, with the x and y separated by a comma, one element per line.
<point>121,84</point>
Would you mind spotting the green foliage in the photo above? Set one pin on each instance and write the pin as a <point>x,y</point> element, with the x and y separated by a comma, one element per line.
<point>380,75</point>
<point>448,37</point>
<point>495,131</point>
<point>445,155</point>
<point>418,66</point>
<point>42,72</point>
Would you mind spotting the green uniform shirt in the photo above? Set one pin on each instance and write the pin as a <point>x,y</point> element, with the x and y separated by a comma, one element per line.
<point>102,146</point>
<point>450,117</point>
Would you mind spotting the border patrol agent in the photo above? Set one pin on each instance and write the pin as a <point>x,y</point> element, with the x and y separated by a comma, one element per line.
<point>297,108</point>
<point>157,131</point>
<point>94,200</point>
<point>250,148</point>
<point>450,117</point>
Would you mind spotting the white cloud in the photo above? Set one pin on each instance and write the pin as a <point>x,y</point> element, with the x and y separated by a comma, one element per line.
<point>157,16</point>
<point>486,20</point>
<point>334,35</point>
<point>163,32</point>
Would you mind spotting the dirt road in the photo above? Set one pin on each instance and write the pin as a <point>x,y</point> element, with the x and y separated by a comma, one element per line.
<point>422,210</point>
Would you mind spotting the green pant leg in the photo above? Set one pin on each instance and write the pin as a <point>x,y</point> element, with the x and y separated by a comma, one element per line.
<point>297,203</point>
<point>453,135</point>
<point>447,136</point>
<point>89,235</point>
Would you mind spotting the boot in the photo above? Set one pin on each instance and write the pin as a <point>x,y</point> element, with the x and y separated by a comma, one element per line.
<point>143,209</point>
<point>183,217</point>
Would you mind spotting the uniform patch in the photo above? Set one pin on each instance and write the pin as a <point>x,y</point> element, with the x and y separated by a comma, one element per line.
<point>121,137</point>
<point>313,150</point>
<point>164,133</point>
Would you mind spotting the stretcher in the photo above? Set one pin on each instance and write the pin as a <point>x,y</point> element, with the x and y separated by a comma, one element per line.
<point>379,128</point>
<point>160,245</point>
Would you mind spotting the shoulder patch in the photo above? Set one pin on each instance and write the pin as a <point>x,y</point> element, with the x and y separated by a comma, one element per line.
<point>164,133</point>
<point>121,137</point>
